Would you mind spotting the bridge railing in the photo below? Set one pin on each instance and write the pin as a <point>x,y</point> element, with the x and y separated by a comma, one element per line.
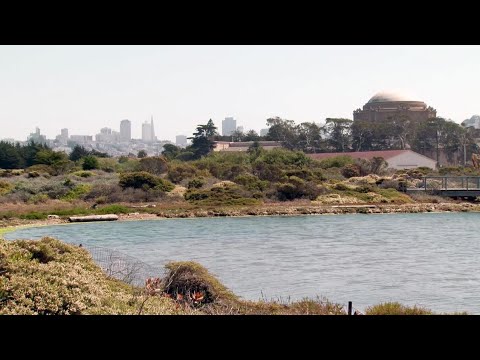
<point>451,183</point>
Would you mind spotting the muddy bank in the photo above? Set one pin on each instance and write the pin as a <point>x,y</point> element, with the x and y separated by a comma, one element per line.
<point>319,210</point>
<point>266,210</point>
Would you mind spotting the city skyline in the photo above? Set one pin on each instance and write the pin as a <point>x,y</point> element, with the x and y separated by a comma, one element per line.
<point>86,88</point>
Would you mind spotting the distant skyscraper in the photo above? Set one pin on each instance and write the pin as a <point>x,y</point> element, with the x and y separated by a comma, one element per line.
<point>81,139</point>
<point>263,132</point>
<point>36,137</point>
<point>63,137</point>
<point>240,129</point>
<point>153,130</point>
<point>148,131</point>
<point>125,130</point>
<point>229,125</point>
<point>107,135</point>
<point>181,140</point>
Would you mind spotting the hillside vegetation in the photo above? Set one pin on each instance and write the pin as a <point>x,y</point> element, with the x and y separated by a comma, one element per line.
<point>226,180</point>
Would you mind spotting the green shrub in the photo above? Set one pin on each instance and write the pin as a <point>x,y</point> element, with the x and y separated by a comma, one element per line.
<point>196,183</point>
<point>365,189</point>
<point>127,165</point>
<point>85,174</point>
<point>154,165</point>
<point>38,199</point>
<point>107,164</point>
<point>351,170</point>
<point>33,174</point>
<point>341,187</point>
<point>113,209</point>
<point>336,161</point>
<point>196,195</point>
<point>220,196</point>
<point>144,180</point>
<point>34,216</point>
<point>40,169</point>
<point>376,165</point>
<point>267,172</point>
<point>185,156</point>
<point>180,171</point>
<point>251,182</point>
<point>297,188</point>
<point>284,157</point>
<point>5,187</point>
<point>395,308</point>
<point>90,162</point>
<point>77,192</point>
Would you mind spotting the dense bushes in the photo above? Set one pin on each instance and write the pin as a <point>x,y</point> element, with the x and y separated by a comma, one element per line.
<point>153,165</point>
<point>179,171</point>
<point>297,188</point>
<point>395,308</point>
<point>337,161</point>
<point>196,183</point>
<point>221,196</point>
<point>90,163</point>
<point>5,187</point>
<point>251,182</point>
<point>144,180</point>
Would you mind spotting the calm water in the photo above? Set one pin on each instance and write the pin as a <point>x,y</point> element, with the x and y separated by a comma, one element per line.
<point>425,259</point>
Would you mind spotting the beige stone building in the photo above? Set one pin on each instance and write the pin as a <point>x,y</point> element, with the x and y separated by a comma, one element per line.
<point>385,105</point>
<point>243,146</point>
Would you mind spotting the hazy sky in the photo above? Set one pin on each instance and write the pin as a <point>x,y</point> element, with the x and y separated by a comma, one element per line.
<point>85,88</point>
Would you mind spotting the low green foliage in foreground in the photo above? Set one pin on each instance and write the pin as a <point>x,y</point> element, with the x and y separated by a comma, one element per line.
<point>50,277</point>
<point>395,308</point>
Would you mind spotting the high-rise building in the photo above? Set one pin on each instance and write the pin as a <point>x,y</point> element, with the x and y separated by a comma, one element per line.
<point>36,137</point>
<point>125,130</point>
<point>229,125</point>
<point>263,132</point>
<point>153,130</point>
<point>148,131</point>
<point>62,139</point>
<point>107,135</point>
<point>181,140</point>
<point>81,139</point>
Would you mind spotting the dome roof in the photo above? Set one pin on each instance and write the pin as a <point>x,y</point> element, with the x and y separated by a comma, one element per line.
<point>385,96</point>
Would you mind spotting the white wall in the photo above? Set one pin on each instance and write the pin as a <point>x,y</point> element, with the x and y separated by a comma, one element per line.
<point>409,160</point>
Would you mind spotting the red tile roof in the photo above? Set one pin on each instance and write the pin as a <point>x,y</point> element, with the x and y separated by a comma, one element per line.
<point>386,154</point>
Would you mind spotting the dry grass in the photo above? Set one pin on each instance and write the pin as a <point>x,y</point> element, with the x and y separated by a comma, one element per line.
<point>395,308</point>
<point>51,277</point>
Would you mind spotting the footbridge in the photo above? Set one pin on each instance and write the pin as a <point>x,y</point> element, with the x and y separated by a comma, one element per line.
<point>450,186</point>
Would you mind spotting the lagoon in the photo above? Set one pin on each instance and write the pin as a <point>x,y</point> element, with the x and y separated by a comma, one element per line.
<point>429,259</point>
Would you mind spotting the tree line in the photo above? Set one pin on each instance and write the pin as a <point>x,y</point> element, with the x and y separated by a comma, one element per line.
<point>16,156</point>
<point>344,135</point>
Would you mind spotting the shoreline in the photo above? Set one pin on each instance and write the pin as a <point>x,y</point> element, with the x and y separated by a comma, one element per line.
<point>13,224</point>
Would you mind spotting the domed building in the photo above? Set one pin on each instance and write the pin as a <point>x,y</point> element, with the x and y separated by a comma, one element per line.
<point>474,121</point>
<point>384,105</point>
